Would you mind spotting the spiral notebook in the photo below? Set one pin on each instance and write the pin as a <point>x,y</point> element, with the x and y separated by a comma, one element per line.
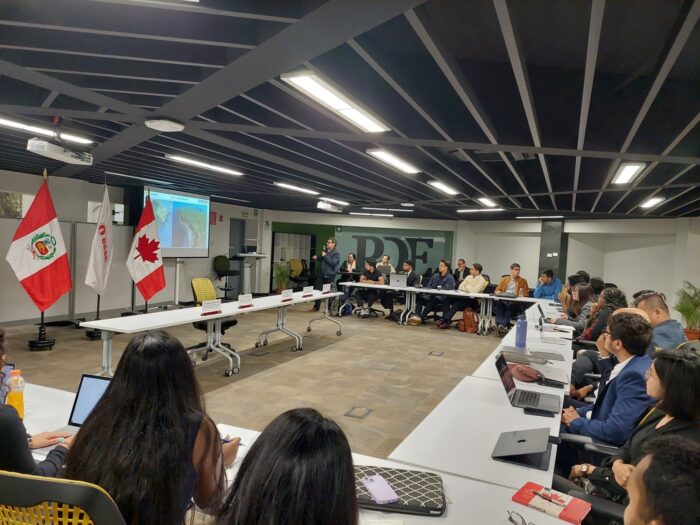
<point>419,492</point>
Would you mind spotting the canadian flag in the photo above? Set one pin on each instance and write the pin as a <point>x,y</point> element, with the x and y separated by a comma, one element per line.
<point>37,254</point>
<point>101,252</point>
<point>144,262</point>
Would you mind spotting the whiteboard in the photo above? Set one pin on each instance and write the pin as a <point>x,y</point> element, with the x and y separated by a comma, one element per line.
<point>16,304</point>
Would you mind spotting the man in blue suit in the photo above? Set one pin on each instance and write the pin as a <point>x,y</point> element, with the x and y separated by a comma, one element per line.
<point>623,400</point>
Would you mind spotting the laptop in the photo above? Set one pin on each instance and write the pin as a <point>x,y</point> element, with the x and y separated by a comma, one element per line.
<point>398,280</point>
<point>525,398</point>
<point>384,268</point>
<point>524,447</point>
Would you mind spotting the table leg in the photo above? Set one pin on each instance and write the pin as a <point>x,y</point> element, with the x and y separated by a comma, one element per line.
<point>281,327</point>
<point>106,354</point>
<point>327,316</point>
<point>410,308</point>
<point>228,353</point>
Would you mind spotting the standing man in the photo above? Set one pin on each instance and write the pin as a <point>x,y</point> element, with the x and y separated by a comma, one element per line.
<point>461,272</point>
<point>548,286</point>
<point>330,259</point>
<point>505,310</point>
<point>442,280</point>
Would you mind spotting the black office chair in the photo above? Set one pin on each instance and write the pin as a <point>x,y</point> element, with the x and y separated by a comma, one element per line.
<point>299,273</point>
<point>222,268</point>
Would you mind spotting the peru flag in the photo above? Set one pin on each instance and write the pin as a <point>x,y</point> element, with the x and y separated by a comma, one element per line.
<point>37,254</point>
<point>144,261</point>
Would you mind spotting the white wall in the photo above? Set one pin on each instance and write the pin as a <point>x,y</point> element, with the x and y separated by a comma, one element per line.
<point>586,252</point>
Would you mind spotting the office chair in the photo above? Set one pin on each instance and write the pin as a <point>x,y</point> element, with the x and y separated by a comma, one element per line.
<point>222,268</point>
<point>299,273</point>
<point>203,290</point>
<point>53,501</point>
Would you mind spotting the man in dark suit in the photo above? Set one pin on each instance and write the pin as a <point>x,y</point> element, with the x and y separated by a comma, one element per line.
<point>623,400</point>
<point>461,272</point>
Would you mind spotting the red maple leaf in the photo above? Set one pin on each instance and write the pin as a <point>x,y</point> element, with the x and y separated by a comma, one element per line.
<point>147,249</point>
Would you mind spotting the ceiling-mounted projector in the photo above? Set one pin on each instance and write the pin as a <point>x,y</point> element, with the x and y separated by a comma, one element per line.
<point>327,206</point>
<point>60,153</point>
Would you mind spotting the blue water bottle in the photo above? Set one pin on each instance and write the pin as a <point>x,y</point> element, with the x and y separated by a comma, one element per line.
<point>521,332</point>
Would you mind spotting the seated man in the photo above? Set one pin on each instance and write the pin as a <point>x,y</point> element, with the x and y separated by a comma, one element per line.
<point>505,310</point>
<point>668,333</point>
<point>473,283</point>
<point>663,488</point>
<point>548,286</point>
<point>390,295</point>
<point>622,401</point>
<point>441,280</point>
<point>367,296</point>
<point>461,272</point>
<point>386,261</point>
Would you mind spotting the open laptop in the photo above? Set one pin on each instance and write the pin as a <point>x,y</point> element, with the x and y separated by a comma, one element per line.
<point>398,280</point>
<point>384,268</point>
<point>525,398</point>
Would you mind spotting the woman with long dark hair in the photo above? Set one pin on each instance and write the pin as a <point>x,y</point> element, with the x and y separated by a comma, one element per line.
<point>149,442</point>
<point>580,310</point>
<point>298,471</point>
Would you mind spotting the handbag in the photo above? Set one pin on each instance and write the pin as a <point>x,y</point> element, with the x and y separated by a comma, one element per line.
<point>419,492</point>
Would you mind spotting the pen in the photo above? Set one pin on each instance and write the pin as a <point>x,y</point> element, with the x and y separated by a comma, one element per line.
<point>547,498</point>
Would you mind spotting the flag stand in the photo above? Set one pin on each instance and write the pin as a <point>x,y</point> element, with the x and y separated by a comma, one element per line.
<point>41,343</point>
<point>95,333</point>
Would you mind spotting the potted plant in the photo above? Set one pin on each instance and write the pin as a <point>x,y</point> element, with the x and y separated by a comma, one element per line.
<point>688,305</point>
<point>281,277</point>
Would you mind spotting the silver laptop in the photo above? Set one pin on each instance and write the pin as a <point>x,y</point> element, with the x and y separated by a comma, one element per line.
<point>524,398</point>
<point>398,280</point>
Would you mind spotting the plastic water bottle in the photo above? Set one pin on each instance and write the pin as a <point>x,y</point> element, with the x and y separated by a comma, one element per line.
<point>521,332</point>
<point>15,396</point>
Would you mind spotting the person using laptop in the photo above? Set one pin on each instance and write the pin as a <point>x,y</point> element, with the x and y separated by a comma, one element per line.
<point>512,286</point>
<point>390,296</point>
<point>385,262</point>
<point>149,442</point>
<point>623,400</point>
<point>299,470</point>
<point>16,444</point>
<point>472,283</point>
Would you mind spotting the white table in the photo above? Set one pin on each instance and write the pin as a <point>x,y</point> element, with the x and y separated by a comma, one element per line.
<point>469,501</point>
<point>248,260</point>
<point>165,319</point>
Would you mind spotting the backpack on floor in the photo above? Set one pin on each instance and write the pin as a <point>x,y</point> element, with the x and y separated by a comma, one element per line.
<point>469,322</point>
<point>346,309</point>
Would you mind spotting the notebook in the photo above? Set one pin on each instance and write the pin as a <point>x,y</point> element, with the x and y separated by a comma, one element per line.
<point>419,492</point>
<point>552,502</point>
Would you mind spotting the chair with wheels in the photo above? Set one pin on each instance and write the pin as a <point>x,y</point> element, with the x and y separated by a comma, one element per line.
<point>203,290</point>
<point>222,269</point>
<point>299,273</point>
<point>51,501</point>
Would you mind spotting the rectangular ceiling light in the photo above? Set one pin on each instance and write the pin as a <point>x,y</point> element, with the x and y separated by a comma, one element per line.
<point>229,198</point>
<point>335,201</point>
<point>392,160</point>
<point>628,171</point>
<point>68,137</point>
<point>314,86</point>
<point>371,214</point>
<point>144,179</point>
<point>653,201</point>
<point>295,188</point>
<point>479,210</point>
<point>402,210</point>
<point>487,202</point>
<point>525,217</point>
<point>205,165</point>
<point>443,187</point>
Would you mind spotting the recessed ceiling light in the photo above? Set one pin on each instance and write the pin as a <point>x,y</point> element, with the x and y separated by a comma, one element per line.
<point>144,179</point>
<point>69,137</point>
<point>525,217</point>
<point>387,209</point>
<point>392,160</point>
<point>407,204</point>
<point>443,187</point>
<point>651,202</point>
<point>320,90</point>
<point>628,171</point>
<point>371,214</point>
<point>479,210</point>
<point>335,201</point>
<point>295,188</point>
<point>229,198</point>
<point>165,125</point>
<point>487,202</point>
<point>205,165</point>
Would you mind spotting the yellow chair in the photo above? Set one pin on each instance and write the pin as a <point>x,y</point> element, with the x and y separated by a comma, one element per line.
<point>26,500</point>
<point>295,267</point>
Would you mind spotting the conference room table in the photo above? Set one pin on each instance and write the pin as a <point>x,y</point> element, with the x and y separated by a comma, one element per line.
<point>165,319</point>
<point>468,500</point>
<point>459,435</point>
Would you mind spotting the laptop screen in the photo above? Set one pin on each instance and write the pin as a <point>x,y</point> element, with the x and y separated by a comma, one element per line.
<point>506,375</point>
<point>89,393</point>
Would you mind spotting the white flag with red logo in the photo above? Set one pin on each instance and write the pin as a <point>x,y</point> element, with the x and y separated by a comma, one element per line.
<point>101,253</point>
<point>38,254</point>
<point>144,262</point>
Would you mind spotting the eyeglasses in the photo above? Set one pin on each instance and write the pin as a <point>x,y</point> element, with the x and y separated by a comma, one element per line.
<point>517,519</point>
<point>606,331</point>
<point>648,295</point>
